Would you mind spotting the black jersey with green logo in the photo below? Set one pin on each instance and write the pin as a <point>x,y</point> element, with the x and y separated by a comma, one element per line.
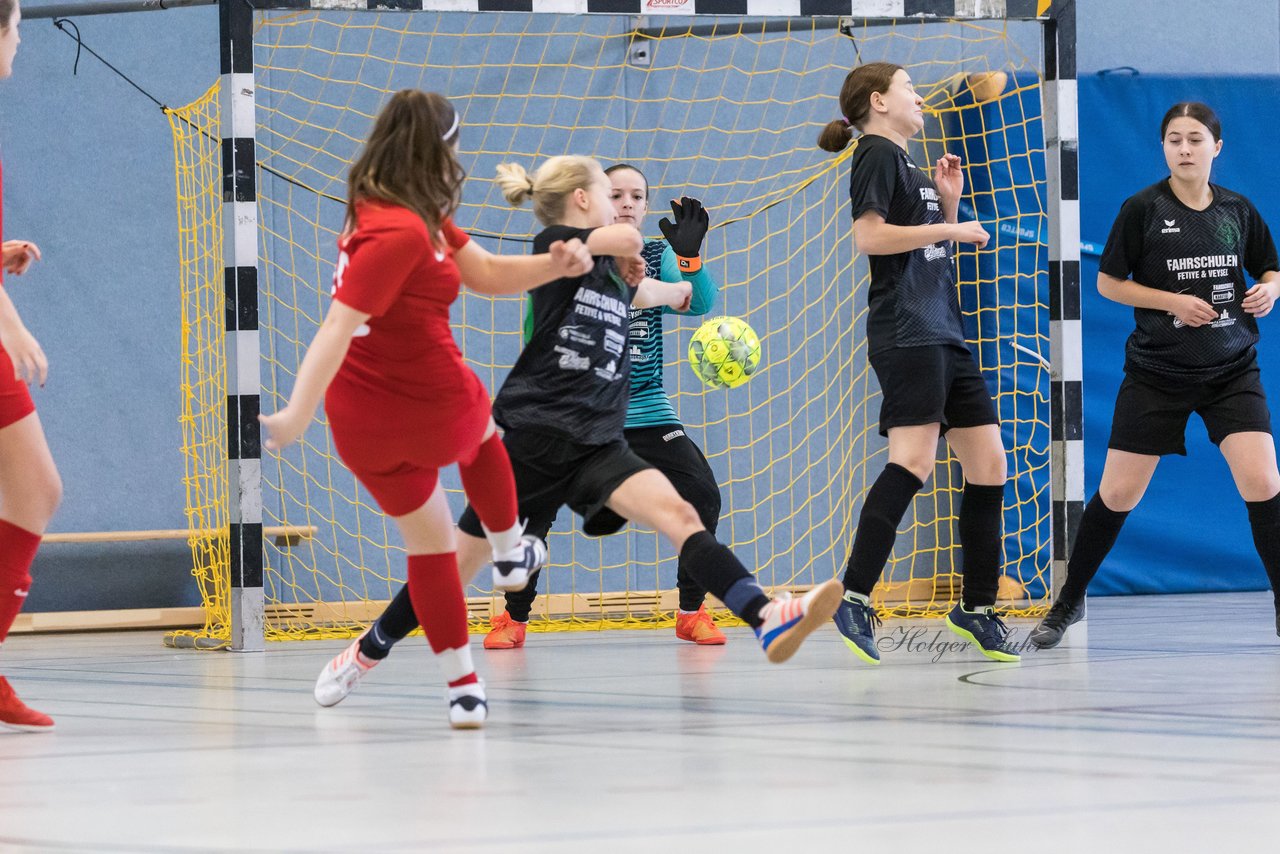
<point>1161,243</point>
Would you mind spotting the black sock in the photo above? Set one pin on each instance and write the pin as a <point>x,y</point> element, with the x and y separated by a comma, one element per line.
<point>1264,519</point>
<point>887,502</point>
<point>980,526</point>
<point>520,602</point>
<point>711,564</point>
<point>390,628</point>
<point>1099,527</point>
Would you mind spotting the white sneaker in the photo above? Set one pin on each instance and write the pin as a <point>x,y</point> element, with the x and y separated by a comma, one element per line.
<point>511,573</point>
<point>787,621</point>
<point>341,675</point>
<point>467,706</point>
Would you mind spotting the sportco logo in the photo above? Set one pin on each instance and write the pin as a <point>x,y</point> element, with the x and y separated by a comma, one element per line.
<point>1170,228</point>
<point>665,4</point>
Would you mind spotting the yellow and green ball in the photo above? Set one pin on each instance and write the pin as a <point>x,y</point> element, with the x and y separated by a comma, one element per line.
<point>724,352</point>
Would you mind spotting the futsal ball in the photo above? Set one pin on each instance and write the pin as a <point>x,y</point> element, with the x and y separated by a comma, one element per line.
<point>724,352</point>
<point>987,85</point>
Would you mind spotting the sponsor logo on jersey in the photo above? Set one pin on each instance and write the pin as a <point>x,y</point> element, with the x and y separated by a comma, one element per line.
<point>1224,319</point>
<point>933,252</point>
<point>928,194</point>
<point>575,335</point>
<point>572,360</point>
<point>1170,227</point>
<point>609,371</point>
<point>674,434</point>
<point>1228,233</point>
<point>614,342</point>
<point>1224,292</point>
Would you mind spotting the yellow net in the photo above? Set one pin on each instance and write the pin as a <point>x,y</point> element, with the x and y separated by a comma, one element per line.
<point>726,111</point>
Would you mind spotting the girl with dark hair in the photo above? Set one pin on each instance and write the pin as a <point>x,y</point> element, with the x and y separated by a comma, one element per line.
<point>400,401</point>
<point>30,488</point>
<point>931,385</point>
<point>1178,253</point>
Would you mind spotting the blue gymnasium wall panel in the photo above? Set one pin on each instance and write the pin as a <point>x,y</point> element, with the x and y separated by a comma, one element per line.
<point>1191,532</point>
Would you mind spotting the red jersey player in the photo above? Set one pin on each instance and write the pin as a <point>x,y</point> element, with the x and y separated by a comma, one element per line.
<point>400,401</point>
<point>30,488</point>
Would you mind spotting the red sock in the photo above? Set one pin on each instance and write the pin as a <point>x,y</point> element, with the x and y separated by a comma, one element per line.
<point>17,549</point>
<point>490,486</point>
<point>436,592</point>
<point>470,679</point>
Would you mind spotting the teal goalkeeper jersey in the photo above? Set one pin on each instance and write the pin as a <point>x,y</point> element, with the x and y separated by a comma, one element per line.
<point>650,406</point>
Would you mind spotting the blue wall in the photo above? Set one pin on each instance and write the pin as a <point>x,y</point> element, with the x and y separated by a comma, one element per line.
<point>1190,532</point>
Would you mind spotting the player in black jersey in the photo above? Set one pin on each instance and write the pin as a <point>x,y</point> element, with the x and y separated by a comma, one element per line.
<point>563,407</point>
<point>652,429</point>
<point>929,379</point>
<point>1178,253</point>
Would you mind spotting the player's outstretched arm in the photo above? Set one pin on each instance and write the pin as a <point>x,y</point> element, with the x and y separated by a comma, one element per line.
<point>488,273</point>
<point>318,368</point>
<point>874,236</point>
<point>705,287</point>
<point>653,293</point>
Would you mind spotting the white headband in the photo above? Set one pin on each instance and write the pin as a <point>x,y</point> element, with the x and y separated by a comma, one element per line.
<point>453,128</point>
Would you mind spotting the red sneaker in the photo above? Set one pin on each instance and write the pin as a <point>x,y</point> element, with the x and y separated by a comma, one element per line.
<point>506,633</point>
<point>698,628</point>
<point>15,714</point>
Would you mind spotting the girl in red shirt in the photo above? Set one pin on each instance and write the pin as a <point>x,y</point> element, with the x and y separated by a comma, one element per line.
<point>400,401</point>
<point>30,488</point>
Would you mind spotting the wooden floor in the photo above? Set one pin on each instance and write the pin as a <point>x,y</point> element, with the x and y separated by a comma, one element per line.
<point>1161,734</point>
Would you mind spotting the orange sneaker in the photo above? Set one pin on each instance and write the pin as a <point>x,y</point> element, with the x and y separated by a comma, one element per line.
<point>506,633</point>
<point>15,714</point>
<point>698,627</point>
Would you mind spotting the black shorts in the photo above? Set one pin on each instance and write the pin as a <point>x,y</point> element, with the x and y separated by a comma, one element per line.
<point>937,384</point>
<point>673,453</point>
<point>1152,420</point>
<point>552,472</point>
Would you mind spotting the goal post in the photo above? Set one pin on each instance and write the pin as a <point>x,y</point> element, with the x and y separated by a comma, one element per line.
<point>721,99</point>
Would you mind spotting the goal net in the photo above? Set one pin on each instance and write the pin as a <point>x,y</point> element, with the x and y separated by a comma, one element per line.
<point>725,110</point>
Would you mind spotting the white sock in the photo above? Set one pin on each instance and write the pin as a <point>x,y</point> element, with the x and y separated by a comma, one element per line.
<point>505,542</point>
<point>455,663</point>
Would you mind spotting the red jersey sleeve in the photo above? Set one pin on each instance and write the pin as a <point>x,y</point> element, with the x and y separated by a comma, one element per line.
<point>454,236</point>
<point>1,219</point>
<point>375,265</point>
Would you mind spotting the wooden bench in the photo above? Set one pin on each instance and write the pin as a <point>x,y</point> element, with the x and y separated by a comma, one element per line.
<point>284,535</point>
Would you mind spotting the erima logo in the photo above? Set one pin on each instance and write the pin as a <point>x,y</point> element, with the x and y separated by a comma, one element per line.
<point>1170,228</point>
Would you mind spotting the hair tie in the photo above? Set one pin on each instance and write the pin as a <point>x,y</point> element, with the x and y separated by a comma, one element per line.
<point>847,123</point>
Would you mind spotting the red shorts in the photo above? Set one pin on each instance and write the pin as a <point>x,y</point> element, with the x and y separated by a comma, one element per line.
<point>15,399</point>
<point>396,446</point>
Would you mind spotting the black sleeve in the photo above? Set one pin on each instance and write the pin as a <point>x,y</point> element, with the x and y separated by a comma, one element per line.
<point>542,242</point>
<point>1260,250</point>
<point>874,178</point>
<point>1124,245</point>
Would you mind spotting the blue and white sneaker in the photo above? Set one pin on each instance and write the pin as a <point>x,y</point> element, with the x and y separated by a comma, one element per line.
<point>985,630</point>
<point>511,572</point>
<point>857,622</point>
<point>787,622</point>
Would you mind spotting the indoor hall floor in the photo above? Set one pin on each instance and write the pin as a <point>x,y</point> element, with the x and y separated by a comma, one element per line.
<point>1161,733</point>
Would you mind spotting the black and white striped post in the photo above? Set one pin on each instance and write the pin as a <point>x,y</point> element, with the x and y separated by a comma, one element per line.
<point>1061,129</point>
<point>240,259</point>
